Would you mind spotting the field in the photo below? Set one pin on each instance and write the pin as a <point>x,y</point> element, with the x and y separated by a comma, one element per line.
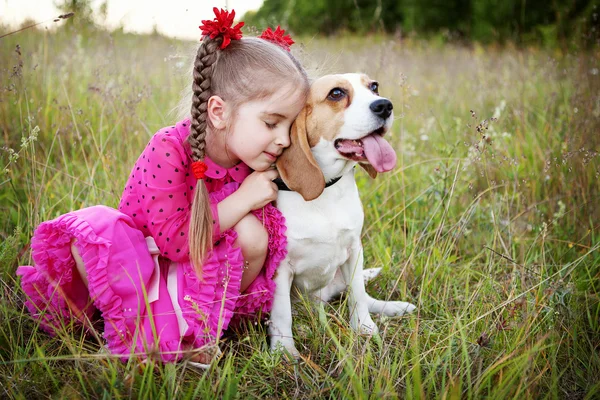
<point>490,224</point>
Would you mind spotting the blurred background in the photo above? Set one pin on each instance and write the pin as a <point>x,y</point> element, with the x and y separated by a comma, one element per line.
<point>549,23</point>
<point>490,223</point>
<point>176,18</point>
<point>519,21</point>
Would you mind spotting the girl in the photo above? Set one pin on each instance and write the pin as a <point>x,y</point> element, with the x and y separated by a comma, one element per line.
<point>181,259</point>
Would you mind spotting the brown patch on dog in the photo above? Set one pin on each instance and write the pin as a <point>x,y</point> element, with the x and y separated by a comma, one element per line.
<point>370,170</point>
<point>366,81</point>
<point>297,166</point>
<point>328,115</point>
<point>321,117</point>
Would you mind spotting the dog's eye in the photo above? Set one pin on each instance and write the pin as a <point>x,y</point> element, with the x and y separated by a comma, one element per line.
<point>374,87</point>
<point>336,94</point>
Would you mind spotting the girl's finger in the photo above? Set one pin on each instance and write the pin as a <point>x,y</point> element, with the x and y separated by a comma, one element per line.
<point>271,174</point>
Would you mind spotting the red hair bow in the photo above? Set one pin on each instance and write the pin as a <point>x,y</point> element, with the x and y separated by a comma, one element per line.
<point>277,37</point>
<point>221,25</point>
<point>199,168</point>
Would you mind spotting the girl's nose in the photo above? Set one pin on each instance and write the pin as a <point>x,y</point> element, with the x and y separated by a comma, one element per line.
<point>283,139</point>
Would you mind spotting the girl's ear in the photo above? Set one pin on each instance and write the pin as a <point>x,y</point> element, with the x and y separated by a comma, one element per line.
<point>216,109</point>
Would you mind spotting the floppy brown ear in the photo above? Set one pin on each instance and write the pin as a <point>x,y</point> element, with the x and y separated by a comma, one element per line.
<point>297,166</point>
<point>370,170</point>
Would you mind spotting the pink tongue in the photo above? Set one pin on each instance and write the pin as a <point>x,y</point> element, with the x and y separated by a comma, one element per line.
<point>379,152</point>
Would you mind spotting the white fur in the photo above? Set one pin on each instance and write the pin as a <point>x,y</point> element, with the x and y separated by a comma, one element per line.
<point>324,249</point>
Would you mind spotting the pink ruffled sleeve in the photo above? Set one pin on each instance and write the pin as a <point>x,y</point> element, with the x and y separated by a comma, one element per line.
<point>166,194</point>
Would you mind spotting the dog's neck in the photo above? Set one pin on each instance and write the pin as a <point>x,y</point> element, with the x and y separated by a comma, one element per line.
<point>331,165</point>
<point>333,168</point>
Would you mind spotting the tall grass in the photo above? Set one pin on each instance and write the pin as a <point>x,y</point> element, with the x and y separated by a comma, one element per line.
<point>490,222</point>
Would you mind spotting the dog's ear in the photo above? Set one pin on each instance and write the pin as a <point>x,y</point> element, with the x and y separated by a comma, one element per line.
<point>370,170</point>
<point>297,166</point>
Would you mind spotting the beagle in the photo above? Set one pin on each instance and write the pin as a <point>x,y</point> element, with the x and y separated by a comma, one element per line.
<point>342,124</point>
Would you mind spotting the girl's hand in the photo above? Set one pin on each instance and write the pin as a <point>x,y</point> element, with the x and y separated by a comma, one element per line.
<point>258,189</point>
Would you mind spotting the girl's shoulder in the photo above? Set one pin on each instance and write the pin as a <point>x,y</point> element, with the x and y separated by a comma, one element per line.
<point>173,137</point>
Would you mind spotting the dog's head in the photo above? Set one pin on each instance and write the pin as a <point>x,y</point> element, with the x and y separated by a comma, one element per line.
<point>343,123</point>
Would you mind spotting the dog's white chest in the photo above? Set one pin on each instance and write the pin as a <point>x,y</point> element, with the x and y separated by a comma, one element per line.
<point>321,233</point>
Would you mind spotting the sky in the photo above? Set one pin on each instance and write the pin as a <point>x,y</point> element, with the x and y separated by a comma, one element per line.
<point>177,18</point>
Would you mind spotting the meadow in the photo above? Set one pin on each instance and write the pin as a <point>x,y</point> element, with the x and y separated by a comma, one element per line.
<point>490,223</point>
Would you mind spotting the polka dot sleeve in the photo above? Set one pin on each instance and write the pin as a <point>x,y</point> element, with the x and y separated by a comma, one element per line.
<point>165,195</point>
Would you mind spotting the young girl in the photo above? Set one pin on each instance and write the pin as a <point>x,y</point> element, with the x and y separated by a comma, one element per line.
<point>181,258</point>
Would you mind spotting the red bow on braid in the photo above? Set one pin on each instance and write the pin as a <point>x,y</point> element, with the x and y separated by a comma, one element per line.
<point>221,25</point>
<point>199,168</point>
<point>278,37</point>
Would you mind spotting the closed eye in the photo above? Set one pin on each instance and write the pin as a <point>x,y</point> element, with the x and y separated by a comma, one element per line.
<point>270,126</point>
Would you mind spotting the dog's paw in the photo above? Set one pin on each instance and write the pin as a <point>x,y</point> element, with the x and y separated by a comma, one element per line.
<point>287,348</point>
<point>364,326</point>
<point>370,274</point>
<point>368,328</point>
<point>397,308</point>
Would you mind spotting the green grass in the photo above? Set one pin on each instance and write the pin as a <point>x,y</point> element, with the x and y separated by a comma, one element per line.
<point>491,227</point>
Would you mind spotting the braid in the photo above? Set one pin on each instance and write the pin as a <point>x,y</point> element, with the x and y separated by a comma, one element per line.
<point>203,66</point>
<point>201,223</point>
<point>225,73</point>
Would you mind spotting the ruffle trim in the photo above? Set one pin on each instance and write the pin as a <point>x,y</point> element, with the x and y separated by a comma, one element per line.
<point>258,298</point>
<point>43,301</point>
<point>209,303</point>
<point>46,284</point>
<point>51,252</point>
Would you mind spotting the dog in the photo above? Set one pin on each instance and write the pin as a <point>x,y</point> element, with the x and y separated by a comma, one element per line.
<point>342,124</point>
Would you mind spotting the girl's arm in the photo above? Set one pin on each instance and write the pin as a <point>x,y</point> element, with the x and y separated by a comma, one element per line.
<point>231,210</point>
<point>256,191</point>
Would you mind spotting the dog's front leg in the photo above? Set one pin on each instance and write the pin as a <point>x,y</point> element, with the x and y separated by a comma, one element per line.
<point>280,324</point>
<point>360,319</point>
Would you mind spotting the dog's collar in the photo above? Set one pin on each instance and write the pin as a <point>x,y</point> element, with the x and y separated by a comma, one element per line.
<point>282,186</point>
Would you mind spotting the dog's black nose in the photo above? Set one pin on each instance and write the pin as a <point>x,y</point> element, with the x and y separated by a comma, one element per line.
<point>382,108</point>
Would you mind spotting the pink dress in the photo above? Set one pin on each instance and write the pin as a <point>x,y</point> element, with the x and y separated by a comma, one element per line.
<point>137,260</point>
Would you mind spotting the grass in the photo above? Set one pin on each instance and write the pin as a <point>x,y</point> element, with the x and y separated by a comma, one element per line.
<point>489,223</point>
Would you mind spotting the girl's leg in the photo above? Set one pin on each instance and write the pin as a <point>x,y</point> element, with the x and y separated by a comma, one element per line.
<point>253,240</point>
<point>79,263</point>
<point>206,356</point>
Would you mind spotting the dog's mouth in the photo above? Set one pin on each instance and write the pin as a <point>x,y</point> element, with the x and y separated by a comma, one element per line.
<point>372,148</point>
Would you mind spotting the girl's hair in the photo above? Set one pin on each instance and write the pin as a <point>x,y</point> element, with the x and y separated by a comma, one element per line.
<point>249,69</point>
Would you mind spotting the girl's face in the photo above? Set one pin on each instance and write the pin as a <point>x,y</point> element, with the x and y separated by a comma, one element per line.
<point>260,130</point>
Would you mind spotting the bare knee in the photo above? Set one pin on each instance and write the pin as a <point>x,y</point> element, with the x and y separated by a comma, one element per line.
<point>252,238</point>
<point>254,242</point>
<point>79,262</point>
